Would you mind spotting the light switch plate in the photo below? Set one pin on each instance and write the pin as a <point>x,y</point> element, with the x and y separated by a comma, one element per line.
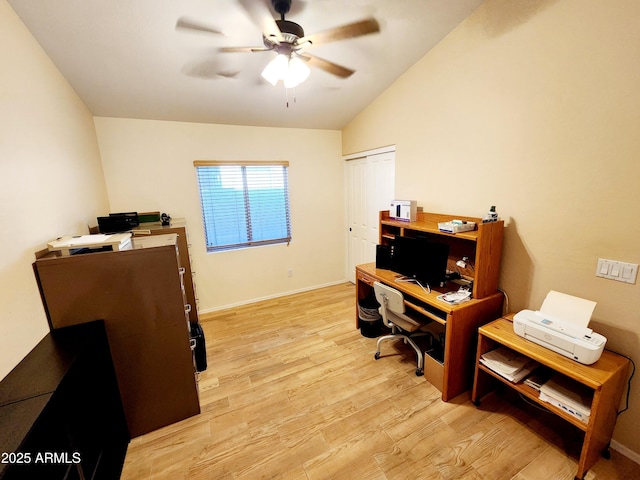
<point>619,271</point>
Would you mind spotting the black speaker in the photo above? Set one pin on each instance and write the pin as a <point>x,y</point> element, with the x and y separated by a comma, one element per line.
<point>200,349</point>
<point>383,256</point>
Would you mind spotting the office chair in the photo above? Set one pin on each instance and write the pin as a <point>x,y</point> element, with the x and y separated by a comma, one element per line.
<point>393,316</point>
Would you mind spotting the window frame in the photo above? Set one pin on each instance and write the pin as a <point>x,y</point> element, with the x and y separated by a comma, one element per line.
<point>244,165</point>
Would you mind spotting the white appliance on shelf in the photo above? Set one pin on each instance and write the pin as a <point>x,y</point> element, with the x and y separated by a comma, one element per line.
<point>579,343</point>
<point>561,325</point>
<point>404,210</point>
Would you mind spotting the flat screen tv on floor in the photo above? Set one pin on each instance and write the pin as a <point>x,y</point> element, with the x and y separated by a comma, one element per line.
<point>420,259</point>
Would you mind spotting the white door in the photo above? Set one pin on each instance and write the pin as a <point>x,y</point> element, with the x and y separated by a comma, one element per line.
<point>369,188</point>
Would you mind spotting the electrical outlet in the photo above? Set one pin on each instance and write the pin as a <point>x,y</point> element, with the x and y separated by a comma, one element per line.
<point>619,271</point>
<point>290,272</point>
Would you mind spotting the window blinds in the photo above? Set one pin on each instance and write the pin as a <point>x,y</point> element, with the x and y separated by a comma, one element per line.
<point>244,203</point>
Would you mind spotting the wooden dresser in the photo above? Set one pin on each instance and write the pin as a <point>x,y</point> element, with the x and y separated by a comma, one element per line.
<point>179,227</point>
<point>139,295</point>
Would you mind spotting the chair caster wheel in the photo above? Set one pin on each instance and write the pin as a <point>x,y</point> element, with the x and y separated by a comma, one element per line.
<point>377,356</point>
<point>419,372</point>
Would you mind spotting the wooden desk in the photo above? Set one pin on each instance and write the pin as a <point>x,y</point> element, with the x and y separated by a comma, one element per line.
<point>459,324</point>
<point>606,378</point>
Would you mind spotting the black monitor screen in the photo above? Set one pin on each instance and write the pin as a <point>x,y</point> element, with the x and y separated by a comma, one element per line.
<point>421,259</point>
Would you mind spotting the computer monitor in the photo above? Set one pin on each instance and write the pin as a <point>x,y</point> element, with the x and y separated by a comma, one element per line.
<point>420,259</point>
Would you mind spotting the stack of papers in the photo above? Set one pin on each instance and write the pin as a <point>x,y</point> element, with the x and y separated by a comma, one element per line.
<point>455,298</point>
<point>509,364</point>
<point>537,379</point>
<point>569,395</point>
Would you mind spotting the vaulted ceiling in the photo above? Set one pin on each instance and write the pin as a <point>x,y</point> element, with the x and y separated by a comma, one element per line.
<point>130,59</point>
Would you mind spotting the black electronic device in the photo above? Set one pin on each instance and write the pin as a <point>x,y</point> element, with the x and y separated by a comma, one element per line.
<point>420,259</point>
<point>383,257</point>
<point>118,222</point>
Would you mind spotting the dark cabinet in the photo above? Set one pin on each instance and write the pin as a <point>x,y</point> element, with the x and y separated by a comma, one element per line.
<point>60,410</point>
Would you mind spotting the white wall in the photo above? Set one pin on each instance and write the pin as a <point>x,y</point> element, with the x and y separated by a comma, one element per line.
<point>148,166</point>
<point>533,107</point>
<point>50,173</point>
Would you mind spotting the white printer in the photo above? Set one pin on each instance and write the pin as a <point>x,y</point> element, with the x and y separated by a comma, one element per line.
<point>580,343</point>
<point>557,327</point>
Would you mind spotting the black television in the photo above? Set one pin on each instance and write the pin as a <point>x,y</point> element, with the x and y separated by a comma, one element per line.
<point>420,259</point>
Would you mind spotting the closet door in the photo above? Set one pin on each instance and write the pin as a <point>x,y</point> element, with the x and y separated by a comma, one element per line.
<point>369,188</point>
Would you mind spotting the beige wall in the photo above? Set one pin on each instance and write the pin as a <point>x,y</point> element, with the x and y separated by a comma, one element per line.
<point>532,106</point>
<point>148,166</point>
<point>51,175</point>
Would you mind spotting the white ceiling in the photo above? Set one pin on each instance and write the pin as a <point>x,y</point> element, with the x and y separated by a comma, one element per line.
<point>125,58</point>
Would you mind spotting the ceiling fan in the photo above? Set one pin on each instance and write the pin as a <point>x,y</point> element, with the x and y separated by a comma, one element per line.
<point>288,40</point>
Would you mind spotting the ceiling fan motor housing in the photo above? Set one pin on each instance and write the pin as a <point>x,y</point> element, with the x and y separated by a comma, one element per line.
<point>290,31</point>
<point>290,28</point>
<point>281,6</point>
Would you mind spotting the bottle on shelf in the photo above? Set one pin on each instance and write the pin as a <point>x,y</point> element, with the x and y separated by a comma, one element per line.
<point>492,216</point>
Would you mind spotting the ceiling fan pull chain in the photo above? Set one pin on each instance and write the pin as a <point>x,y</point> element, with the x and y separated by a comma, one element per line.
<point>293,90</point>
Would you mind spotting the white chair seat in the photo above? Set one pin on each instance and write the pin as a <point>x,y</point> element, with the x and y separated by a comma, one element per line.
<point>392,309</point>
<point>403,321</point>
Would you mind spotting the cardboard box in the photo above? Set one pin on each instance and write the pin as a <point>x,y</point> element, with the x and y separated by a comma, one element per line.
<point>433,371</point>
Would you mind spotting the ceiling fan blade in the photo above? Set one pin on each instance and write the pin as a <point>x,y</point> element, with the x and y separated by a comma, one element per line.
<point>351,30</point>
<point>261,16</point>
<point>185,23</point>
<point>327,66</point>
<point>210,69</point>
<point>243,49</point>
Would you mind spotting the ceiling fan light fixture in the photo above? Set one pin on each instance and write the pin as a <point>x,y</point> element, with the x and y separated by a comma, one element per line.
<point>291,70</point>
<point>297,73</point>
<point>276,69</point>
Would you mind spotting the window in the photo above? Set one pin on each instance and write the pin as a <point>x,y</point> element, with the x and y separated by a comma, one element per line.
<point>244,204</point>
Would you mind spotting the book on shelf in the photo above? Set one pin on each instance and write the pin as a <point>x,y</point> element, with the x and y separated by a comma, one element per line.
<point>509,364</point>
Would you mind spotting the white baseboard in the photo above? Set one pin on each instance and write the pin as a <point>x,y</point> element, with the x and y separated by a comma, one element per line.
<point>270,297</point>
<point>630,454</point>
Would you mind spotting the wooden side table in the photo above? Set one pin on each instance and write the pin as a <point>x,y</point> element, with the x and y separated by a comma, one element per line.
<point>606,377</point>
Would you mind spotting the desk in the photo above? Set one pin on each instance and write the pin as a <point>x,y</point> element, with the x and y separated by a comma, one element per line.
<point>606,378</point>
<point>459,323</point>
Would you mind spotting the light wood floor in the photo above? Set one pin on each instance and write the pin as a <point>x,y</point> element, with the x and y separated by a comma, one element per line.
<point>293,392</point>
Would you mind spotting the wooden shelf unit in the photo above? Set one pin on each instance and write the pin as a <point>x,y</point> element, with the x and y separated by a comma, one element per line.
<point>482,246</point>
<point>459,323</point>
<point>606,378</point>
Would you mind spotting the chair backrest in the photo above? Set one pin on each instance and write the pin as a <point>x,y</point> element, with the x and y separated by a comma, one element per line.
<point>389,298</point>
